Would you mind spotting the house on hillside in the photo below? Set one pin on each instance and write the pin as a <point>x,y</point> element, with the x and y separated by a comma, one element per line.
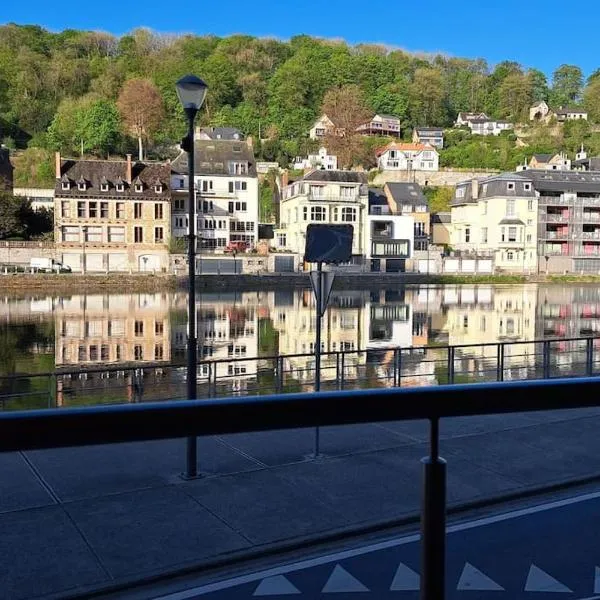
<point>381,125</point>
<point>488,126</point>
<point>432,136</point>
<point>322,126</point>
<point>320,160</point>
<point>571,114</point>
<point>6,170</point>
<point>464,118</point>
<point>397,156</point>
<point>407,199</point>
<point>540,111</point>
<point>218,133</point>
<point>550,162</point>
<point>583,162</point>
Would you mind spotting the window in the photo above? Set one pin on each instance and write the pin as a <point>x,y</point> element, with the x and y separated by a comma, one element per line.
<point>66,185</point>
<point>207,185</point>
<point>281,240</point>
<point>158,211</point>
<point>347,192</point>
<point>138,235</point>
<point>158,328</point>
<point>70,234</point>
<point>139,187</point>
<point>512,234</point>
<point>465,321</point>
<point>419,229</point>
<point>348,214</point>
<point>527,187</point>
<point>238,186</point>
<point>158,352</point>
<point>138,353</point>
<point>65,207</point>
<point>120,210</point>
<point>510,208</point>
<point>104,187</point>
<point>510,255</point>
<point>118,352</point>
<point>460,192</point>
<point>116,234</point>
<point>502,235</point>
<point>238,168</point>
<point>81,186</point>
<point>81,212</point>
<point>510,185</point>
<point>528,237</point>
<point>484,208</point>
<point>104,352</point>
<point>139,328</point>
<point>158,189</point>
<point>94,352</point>
<point>137,210</point>
<point>93,234</point>
<point>407,208</point>
<point>241,206</point>
<point>484,235</point>
<point>230,207</point>
<point>467,234</point>
<point>179,204</point>
<point>158,235</point>
<point>93,210</point>
<point>317,213</point>
<point>120,187</point>
<point>305,213</point>
<point>104,210</point>
<point>207,206</point>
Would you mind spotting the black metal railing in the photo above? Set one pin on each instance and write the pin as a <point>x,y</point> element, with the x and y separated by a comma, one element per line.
<point>53,428</point>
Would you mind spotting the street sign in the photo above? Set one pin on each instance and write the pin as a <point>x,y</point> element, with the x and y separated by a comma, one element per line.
<point>324,293</point>
<point>328,243</point>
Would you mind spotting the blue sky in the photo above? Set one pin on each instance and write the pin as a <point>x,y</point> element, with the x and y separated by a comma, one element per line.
<point>543,37</point>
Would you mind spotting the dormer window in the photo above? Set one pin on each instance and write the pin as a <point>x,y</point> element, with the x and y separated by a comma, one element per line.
<point>158,189</point>
<point>120,187</point>
<point>66,185</point>
<point>139,187</point>
<point>81,187</point>
<point>104,187</point>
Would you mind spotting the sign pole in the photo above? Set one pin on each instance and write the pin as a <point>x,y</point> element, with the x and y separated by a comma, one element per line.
<point>319,297</point>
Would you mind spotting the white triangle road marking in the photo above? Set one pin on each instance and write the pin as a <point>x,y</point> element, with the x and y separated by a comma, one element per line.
<point>597,581</point>
<point>405,580</point>
<point>472,578</point>
<point>540,581</point>
<point>279,585</point>
<point>341,581</point>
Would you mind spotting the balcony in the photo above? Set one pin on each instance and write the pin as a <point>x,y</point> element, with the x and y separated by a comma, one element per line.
<point>590,235</point>
<point>333,198</point>
<point>557,235</point>
<point>552,200</point>
<point>591,215</point>
<point>556,218</point>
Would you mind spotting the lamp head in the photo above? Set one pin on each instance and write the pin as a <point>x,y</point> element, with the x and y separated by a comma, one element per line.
<point>191,91</point>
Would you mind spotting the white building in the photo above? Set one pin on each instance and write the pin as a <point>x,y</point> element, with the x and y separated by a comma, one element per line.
<point>321,128</point>
<point>464,118</point>
<point>320,160</point>
<point>39,197</point>
<point>226,186</point>
<point>488,126</point>
<point>323,197</point>
<point>571,114</point>
<point>397,156</point>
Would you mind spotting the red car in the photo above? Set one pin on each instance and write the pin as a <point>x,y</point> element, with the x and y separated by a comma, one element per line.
<point>236,247</point>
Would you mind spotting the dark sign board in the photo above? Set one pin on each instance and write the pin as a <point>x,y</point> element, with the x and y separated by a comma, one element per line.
<point>265,232</point>
<point>328,243</point>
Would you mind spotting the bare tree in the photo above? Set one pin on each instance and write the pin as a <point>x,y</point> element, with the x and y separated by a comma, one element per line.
<point>141,108</point>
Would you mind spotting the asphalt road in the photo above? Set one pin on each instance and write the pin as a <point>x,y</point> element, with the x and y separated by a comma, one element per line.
<point>551,550</point>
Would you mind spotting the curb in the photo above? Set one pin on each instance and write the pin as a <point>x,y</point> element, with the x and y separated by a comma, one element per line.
<point>341,534</point>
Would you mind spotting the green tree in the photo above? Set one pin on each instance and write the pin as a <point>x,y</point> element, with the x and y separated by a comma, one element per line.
<point>515,96</point>
<point>567,83</point>
<point>539,85</point>
<point>426,95</point>
<point>13,211</point>
<point>591,99</point>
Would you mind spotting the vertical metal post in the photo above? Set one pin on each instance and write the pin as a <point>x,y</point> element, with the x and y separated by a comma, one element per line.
<point>342,369</point>
<point>450,364</point>
<point>279,383</point>
<point>500,363</point>
<point>191,468</point>
<point>546,359</point>
<point>433,520</point>
<point>337,369</point>
<point>589,357</point>
<point>319,296</point>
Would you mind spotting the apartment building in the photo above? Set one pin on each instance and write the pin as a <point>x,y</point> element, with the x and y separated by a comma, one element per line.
<point>497,216</point>
<point>112,215</point>
<point>323,197</point>
<point>40,198</point>
<point>568,219</point>
<point>226,185</point>
<point>408,200</point>
<point>407,157</point>
<point>430,136</point>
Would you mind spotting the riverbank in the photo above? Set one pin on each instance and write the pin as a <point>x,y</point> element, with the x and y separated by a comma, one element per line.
<point>149,282</point>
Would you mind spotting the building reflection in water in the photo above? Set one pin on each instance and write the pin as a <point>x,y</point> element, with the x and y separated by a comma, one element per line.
<point>237,332</point>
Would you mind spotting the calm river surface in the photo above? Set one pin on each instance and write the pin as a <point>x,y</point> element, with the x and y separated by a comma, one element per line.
<point>46,333</point>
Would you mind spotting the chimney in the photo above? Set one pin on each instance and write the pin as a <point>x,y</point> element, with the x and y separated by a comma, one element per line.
<point>129,176</point>
<point>284,179</point>
<point>475,188</point>
<point>57,169</point>
<point>250,142</point>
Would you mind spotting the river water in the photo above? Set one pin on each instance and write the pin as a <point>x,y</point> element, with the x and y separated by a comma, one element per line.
<point>61,334</point>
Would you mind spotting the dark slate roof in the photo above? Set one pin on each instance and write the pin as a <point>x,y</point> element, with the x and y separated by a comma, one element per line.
<point>543,157</point>
<point>495,186</point>
<point>508,221</point>
<point>481,121</point>
<point>96,172</point>
<point>336,176</point>
<point>212,157</point>
<point>377,197</point>
<point>563,181</point>
<point>223,133</point>
<point>441,217</point>
<point>431,130</point>
<point>407,193</point>
<point>570,109</point>
<point>591,163</point>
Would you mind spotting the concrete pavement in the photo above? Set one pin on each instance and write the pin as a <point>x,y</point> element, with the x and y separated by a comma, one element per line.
<point>73,520</point>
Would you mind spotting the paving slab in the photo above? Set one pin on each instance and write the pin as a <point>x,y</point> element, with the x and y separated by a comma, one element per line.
<point>21,488</point>
<point>264,507</point>
<point>149,530</point>
<point>42,552</point>
<point>87,472</point>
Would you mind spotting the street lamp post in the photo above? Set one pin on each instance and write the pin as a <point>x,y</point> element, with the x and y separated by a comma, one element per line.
<point>84,230</point>
<point>191,91</point>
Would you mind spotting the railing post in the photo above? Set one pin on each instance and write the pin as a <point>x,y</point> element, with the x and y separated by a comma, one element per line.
<point>342,369</point>
<point>500,363</point>
<point>450,364</point>
<point>279,384</point>
<point>433,520</point>
<point>589,357</point>
<point>546,359</point>
<point>338,363</point>
<point>397,367</point>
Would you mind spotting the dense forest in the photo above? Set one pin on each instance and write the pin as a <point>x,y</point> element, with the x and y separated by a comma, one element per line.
<point>94,93</point>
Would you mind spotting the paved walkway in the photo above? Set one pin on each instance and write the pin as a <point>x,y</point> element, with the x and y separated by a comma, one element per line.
<point>76,519</point>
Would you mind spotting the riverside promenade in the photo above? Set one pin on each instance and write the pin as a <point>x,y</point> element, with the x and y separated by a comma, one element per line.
<point>80,519</point>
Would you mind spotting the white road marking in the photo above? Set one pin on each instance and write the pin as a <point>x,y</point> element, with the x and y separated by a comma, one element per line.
<point>472,578</point>
<point>279,585</point>
<point>340,581</point>
<point>339,556</point>
<point>540,581</point>
<point>405,580</point>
